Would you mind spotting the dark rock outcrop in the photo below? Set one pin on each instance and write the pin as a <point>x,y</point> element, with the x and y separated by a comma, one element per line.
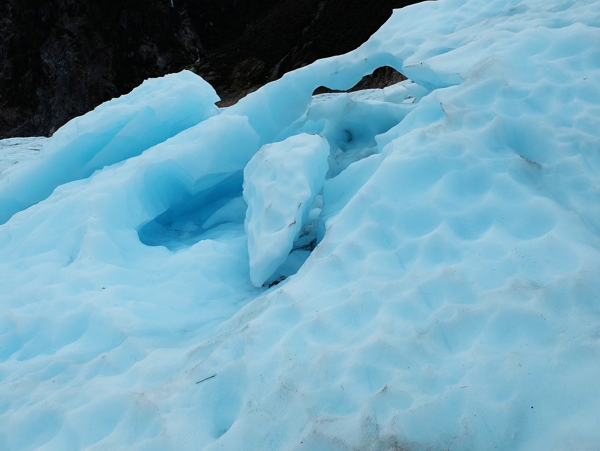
<point>61,58</point>
<point>380,78</point>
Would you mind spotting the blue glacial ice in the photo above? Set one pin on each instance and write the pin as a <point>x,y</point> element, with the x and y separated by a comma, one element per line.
<point>281,183</point>
<point>438,289</point>
<point>113,132</point>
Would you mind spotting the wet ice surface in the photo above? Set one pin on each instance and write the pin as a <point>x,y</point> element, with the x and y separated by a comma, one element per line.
<point>440,293</point>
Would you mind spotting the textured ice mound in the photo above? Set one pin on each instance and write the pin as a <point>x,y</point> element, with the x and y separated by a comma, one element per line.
<point>442,292</point>
<point>351,122</point>
<point>281,183</point>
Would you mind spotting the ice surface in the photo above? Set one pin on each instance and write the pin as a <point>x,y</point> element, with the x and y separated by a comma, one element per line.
<point>350,122</point>
<point>281,183</point>
<point>451,301</point>
<point>113,132</point>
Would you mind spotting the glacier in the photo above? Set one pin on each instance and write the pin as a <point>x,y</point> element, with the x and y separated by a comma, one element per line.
<point>281,184</point>
<point>409,268</point>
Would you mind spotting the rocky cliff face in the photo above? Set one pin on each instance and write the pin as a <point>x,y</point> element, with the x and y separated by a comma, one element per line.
<point>61,58</point>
